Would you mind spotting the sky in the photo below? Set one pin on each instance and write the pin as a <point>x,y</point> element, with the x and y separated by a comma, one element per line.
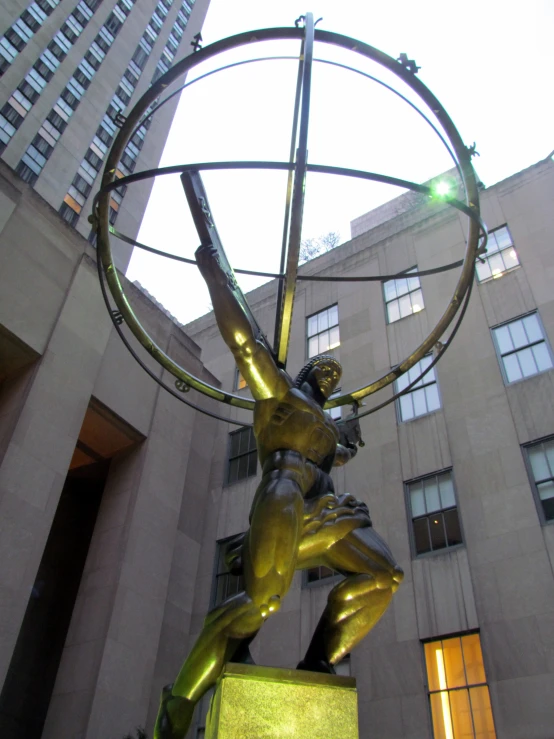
<point>487,61</point>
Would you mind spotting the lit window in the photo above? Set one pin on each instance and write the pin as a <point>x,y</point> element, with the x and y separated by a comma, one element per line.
<point>424,397</point>
<point>226,583</point>
<point>73,204</point>
<point>323,331</point>
<point>458,690</point>
<point>403,297</point>
<point>541,463</point>
<point>499,257</point>
<point>522,348</point>
<point>240,382</point>
<point>243,456</point>
<point>434,513</point>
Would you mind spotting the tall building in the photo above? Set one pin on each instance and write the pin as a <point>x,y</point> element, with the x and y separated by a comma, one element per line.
<point>69,71</point>
<point>116,500</point>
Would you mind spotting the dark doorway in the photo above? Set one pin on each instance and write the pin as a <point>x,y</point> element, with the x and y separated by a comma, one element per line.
<point>31,676</point>
<point>30,680</point>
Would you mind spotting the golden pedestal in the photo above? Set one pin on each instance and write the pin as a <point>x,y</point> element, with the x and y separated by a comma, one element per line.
<point>252,702</point>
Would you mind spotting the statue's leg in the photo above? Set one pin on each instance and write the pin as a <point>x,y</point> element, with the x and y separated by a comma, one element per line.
<point>269,555</point>
<point>357,603</point>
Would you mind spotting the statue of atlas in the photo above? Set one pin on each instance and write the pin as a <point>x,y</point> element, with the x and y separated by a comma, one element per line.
<point>296,521</point>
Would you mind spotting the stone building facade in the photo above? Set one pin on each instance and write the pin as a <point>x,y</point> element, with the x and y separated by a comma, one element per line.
<point>67,71</point>
<point>114,495</point>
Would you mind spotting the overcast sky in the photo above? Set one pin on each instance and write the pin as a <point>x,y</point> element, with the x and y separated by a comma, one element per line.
<point>488,62</point>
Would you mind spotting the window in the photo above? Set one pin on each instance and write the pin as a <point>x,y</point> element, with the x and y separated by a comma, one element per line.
<point>424,397</point>
<point>522,348</point>
<point>499,257</point>
<point>240,382</point>
<point>225,583</point>
<point>242,455</point>
<point>435,522</point>
<point>323,331</point>
<point>68,214</point>
<point>316,574</point>
<point>540,457</point>
<point>458,690</point>
<point>403,297</point>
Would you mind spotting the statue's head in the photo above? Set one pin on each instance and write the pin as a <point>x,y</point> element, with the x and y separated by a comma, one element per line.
<point>322,373</point>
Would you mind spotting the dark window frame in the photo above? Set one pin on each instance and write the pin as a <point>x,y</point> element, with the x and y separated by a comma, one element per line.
<point>312,577</point>
<point>251,450</point>
<point>544,520</point>
<point>220,571</point>
<point>440,512</point>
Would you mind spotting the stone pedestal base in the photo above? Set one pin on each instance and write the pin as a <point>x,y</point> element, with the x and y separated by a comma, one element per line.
<point>253,702</point>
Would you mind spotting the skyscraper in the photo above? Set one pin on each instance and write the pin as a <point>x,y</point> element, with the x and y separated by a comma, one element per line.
<point>69,71</point>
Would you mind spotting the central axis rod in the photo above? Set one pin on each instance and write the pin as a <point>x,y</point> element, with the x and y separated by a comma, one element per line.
<point>288,286</point>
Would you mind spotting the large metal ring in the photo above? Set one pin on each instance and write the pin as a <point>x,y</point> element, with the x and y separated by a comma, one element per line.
<point>141,111</point>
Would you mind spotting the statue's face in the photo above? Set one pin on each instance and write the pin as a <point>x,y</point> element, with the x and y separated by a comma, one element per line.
<point>325,377</point>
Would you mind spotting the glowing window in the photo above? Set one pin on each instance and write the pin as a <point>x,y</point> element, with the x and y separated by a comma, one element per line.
<point>522,348</point>
<point>500,256</point>
<point>458,690</point>
<point>323,331</point>
<point>434,513</point>
<point>240,382</point>
<point>403,296</point>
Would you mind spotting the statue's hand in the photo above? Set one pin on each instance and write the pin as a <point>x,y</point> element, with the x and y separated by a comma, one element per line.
<point>353,449</point>
<point>207,260</point>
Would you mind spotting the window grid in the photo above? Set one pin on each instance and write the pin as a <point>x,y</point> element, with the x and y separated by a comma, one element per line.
<point>323,331</point>
<point>424,397</point>
<point>22,30</point>
<point>128,84</point>
<point>317,574</point>
<point>540,458</point>
<point>522,348</point>
<point>403,296</point>
<point>75,89</point>
<point>500,256</point>
<point>434,513</point>
<point>225,583</point>
<point>243,456</point>
<point>457,688</point>
<point>34,82</point>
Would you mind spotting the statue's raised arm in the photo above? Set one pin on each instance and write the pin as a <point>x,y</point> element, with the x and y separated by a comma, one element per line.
<point>253,358</point>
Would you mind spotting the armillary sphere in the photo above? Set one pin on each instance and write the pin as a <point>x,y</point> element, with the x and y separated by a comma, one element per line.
<point>308,36</point>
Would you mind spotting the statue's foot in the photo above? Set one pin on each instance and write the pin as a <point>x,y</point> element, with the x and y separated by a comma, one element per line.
<point>174,717</point>
<point>320,665</point>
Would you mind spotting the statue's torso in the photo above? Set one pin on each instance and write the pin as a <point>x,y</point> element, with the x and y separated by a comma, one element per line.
<point>298,423</point>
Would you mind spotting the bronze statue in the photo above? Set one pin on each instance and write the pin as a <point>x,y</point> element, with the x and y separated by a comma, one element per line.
<point>296,520</point>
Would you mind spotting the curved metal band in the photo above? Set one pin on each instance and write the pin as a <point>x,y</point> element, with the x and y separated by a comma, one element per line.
<point>277,276</point>
<point>180,68</point>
